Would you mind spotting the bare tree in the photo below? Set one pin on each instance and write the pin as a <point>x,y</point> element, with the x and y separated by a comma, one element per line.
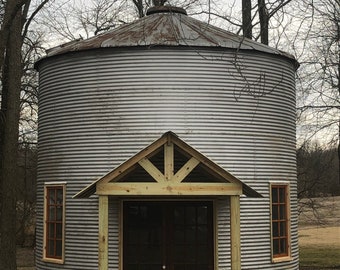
<point>246,19</point>
<point>317,45</point>
<point>14,26</point>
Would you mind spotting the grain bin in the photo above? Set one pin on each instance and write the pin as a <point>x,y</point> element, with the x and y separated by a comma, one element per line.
<point>166,103</point>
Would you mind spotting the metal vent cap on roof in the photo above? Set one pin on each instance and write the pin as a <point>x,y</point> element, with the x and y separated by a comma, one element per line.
<point>166,9</point>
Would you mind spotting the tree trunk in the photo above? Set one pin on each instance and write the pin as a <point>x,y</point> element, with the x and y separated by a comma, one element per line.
<point>264,20</point>
<point>246,19</point>
<point>10,111</point>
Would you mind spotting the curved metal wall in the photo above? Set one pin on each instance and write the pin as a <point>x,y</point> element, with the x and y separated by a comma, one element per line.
<point>98,108</point>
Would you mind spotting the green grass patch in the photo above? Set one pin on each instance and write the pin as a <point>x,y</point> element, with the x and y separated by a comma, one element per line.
<point>324,257</point>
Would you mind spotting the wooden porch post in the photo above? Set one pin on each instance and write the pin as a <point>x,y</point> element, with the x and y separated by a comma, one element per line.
<point>235,232</point>
<point>103,232</point>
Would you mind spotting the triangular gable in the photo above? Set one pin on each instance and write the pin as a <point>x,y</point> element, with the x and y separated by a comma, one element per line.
<point>168,167</point>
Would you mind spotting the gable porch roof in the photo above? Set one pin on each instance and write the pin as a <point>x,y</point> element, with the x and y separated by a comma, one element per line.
<point>169,182</point>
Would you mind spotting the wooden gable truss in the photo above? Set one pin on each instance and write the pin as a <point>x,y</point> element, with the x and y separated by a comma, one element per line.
<point>168,176</point>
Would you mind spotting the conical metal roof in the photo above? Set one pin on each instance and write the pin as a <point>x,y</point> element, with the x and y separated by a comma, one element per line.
<point>166,26</point>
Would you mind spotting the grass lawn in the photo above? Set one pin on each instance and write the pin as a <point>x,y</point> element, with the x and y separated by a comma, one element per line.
<point>320,257</point>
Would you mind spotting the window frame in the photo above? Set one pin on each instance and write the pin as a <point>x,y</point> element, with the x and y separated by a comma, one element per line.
<point>287,255</point>
<point>46,257</point>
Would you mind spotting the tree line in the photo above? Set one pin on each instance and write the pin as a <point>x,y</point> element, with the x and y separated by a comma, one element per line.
<point>309,30</point>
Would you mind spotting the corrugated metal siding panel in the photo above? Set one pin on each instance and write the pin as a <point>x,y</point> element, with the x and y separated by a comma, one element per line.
<point>101,107</point>
<point>223,233</point>
<point>114,212</point>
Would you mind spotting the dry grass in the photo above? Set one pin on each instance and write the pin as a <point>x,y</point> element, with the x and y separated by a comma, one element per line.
<point>319,234</point>
<point>25,258</point>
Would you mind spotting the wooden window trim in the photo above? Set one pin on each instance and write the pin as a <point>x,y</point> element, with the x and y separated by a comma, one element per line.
<point>284,256</point>
<point>57,260</point>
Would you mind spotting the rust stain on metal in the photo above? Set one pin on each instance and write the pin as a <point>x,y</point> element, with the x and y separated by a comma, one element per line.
<point>166,28</point>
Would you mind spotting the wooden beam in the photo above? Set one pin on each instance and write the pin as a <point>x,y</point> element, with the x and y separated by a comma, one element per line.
<point>152,170</point>
<point>185,170</point>
<point>169,189</point>
<point>204,160</point>
<point>133,160</point>
<point>169,160</point>
<point>235,232</point>
<point>103,235</point>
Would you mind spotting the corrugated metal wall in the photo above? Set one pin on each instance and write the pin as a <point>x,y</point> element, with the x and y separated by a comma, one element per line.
<point>100,107</point>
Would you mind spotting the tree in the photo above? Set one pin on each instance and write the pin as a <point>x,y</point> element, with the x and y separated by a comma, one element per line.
<point>10,111</point>
<point>14,27</point>
<point>318,78</point>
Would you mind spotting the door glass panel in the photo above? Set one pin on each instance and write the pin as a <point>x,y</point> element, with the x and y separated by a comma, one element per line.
<point>178,235</point>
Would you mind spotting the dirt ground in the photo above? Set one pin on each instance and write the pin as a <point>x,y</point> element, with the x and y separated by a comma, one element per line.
<point>319,225</point>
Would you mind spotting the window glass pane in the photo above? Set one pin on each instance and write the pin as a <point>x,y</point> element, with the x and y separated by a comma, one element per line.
<point>179,215</point>
<point>202,217</point>
<point>190,234</point>
<point>50,248</point>
<point>275,229</point>
<point>179,235</point>
<point>190,217</point>
<point>191,254</point>
<point>179,253</point>
<point>274,195</point>
<point>202,255</point>
<point>275,212</point>
<point>275,246</point>
<point>59,210</point>
<point>131,266</point>
<point>51,231</point>
<point>282,211</point>
<point>51,213</point>
<point>59,230</point>
<point>59,249</point>
<point>282,194</point>
<point>51,196</point>
<point>283,247</point>
<point>59,196</point>
<point>202,234</point>
<point>179,267</point>
<point>283,229</point>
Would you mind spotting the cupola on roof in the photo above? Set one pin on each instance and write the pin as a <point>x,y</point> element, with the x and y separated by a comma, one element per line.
<point>166,26</point>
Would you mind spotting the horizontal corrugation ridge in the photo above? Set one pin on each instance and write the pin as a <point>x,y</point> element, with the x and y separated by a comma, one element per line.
<point>97,109</point>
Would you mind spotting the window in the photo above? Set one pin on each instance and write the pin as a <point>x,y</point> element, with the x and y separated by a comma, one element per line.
<point>54,220</point>
<point>280,221</point>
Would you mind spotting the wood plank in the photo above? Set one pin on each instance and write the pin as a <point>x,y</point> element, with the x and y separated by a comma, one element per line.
<point>152,170</point>
<point>103,236</point>
<point>169,160</point>
<point>206,161</point>
<point>133,160</point>
<point>169,189</point>
<point>235,231</point>
<point>185,170</point>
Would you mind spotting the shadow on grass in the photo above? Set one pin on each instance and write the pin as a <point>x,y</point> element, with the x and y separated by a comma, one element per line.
<point>319,258</point>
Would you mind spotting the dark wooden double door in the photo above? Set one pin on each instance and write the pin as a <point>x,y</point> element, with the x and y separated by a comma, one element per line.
<point>168,235</point>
